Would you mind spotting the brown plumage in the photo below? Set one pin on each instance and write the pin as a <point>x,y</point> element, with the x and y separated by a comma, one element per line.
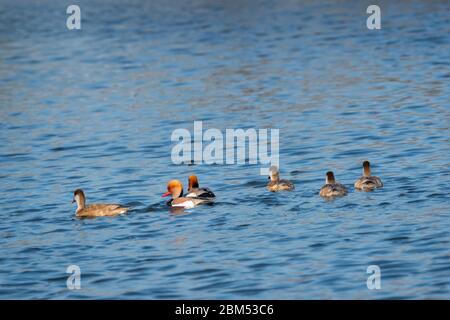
<point>277,184</point>
<point>95,210</point>
<point>332,188</point>
<point>368,182</point>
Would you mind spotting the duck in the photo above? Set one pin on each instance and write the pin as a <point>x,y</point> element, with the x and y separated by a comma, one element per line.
<point>194,191</point>
<point>277,184</point>
<point>331,187</point>
<point>95,210</point>
<point>175,189</point>
<point>368,182</point>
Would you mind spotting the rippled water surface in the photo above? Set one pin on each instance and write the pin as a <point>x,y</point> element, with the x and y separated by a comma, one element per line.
<point>95,109</point>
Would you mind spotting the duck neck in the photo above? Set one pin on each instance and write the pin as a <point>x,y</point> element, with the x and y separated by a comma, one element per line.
<point>177,193</point>
<point>192,185</point>
<point>81,202</point>
<point>366,171</point>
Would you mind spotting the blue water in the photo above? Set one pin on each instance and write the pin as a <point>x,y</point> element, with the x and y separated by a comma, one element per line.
<point>95,109</point>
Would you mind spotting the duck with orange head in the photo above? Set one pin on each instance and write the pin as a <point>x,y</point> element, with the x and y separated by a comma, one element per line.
<point>194,190</point>
<point>175,189</point>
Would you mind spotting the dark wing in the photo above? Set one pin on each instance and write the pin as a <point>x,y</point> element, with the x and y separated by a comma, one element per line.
<point>201,193</point>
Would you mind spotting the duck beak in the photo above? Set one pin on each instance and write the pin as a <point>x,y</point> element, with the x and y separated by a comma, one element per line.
<point>168,193</point>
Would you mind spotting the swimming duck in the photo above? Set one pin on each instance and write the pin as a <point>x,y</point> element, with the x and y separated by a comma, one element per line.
<point>175,189</point>
<point>194,191</point>
<point>95,210</point>
<point>332,188</point>
<point>367,182</point>
<point>277,184</point>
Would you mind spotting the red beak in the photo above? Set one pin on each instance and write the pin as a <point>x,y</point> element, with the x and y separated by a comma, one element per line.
<point>168,193</point>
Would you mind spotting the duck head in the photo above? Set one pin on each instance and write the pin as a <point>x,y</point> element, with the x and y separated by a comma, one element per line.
<point>174,188</point>
<point>274,174</point>
<point>330,178</point>
<point>79,198</point>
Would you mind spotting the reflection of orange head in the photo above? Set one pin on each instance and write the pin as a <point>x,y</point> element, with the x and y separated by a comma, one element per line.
<point>193,182</point>
<point>174,188</point>
<point>366,168</point>
<point>330,177</point>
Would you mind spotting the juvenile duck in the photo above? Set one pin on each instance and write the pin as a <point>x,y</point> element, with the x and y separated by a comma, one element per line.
<point>277,184</point>
<point>332,188</point>
<point>194,191</point>
<point>368,182</point>
<point>95,210</point>
<point>175,189</point>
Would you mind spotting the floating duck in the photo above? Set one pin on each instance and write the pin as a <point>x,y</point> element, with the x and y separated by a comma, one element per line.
<point>194,191</point>
<point>95,210</point>
<point>277,184</point>
<point>332,188</point>
<point>368,182</point>
<point>175,189</point>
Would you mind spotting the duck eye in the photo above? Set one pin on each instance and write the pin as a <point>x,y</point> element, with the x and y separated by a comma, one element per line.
<point>268,177</point>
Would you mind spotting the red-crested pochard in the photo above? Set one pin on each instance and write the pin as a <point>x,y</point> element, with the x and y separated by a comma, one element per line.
<point>95,210</point>
<point>194,190</point>
<point>175,189</point>
<point>368,182</point>
<point>277,184</point>
<point>332,188</point>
